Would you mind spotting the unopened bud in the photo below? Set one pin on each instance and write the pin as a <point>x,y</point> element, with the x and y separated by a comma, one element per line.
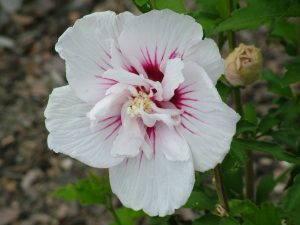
<point>244,65</point>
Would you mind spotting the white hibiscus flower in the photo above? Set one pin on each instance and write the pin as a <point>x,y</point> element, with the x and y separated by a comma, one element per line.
<point>141,101</point>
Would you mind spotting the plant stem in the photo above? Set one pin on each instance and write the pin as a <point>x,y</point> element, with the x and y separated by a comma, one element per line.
<point>249,170</point>
<point>230,34</point>
<point>220,188</point>
<point>299,36</point>
<point>111,208</point>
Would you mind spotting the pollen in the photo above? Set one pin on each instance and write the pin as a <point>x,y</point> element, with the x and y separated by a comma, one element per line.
<point>140,102</point>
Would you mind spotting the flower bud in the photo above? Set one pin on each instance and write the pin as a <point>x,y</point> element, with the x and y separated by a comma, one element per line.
<point>243,66</point>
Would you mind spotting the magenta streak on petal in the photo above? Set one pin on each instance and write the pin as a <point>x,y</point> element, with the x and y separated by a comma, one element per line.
<point>107,79</point>
<point>189,99</point>
<point>186,92</point>
<point>188,129</point>
<point>111,123</point>
<point>152,67</point>
<point>101,67</point>
<point>108,118</point>
<point>114,130</point>
<point>106,84</point>
<point>163,55</point>
<point>181,105</point>
<point>132,69</point>
<point>173,54</point>
<point>193,116</point>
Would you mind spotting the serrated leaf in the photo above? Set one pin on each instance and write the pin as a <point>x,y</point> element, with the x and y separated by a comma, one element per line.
<point>275,150</point>
<point>175,5</point>
<point>88,191</point>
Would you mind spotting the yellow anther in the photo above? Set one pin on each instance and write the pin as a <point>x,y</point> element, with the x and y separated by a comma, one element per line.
<point>140,102</point>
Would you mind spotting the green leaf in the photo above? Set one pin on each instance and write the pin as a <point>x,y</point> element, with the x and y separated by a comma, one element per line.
<point>141,2</point>
<point>128,216</point>
<point>275,84</point>
<point>142,5</point>
<point>199,200</point>
<point>245,126</point>
<point>264,188</point>
<point>258,13</point>
<point>208,14</point>
<point>160,220</point>
<point>289,137</point>
<point>88,191</point>
<point>293,73</point>
<point>241,207</point>
<point>267,214</point>
<point>223,90</point>
<point>287,32</point>
<point>207,219</point>
<point>267,123</point>
<point>175,5</point>
<point>250,114</point>
<point>291,200</point>
<point>229,221</point>
<point>277,151</point>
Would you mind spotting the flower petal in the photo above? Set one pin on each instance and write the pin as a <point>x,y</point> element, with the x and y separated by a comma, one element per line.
<point>86,48</point>
<point>125,77</point>
<point>172,78</point>
<point>157,186</point>
<point>155,37</point>
<point>207,55</point>
<point>171,143</point>
<point>130,137</point>
<point>110,105</point>
<point>70,132</point>
<point>207,123</point>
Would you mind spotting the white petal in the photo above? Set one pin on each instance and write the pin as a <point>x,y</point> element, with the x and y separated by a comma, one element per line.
<point>125,77</point>
<point>172,143</point>
<point>86,48</point>
<point>150,119</point>
<point>208,124</point>
<point>172,78</point>
<point>207,55</point>
<point>70,131</point>
<point>157,36</point>
<point>157,186</point>
<point>130,137</point>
